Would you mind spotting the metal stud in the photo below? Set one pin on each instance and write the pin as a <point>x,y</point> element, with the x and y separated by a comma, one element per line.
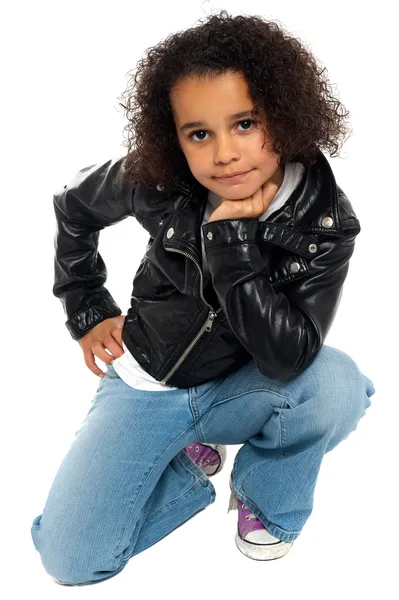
<point>161,222</point>
<point>295,267</point>
<point>312,248</point>
<point>327,222</point>
<point>209,235</point>
<point>170,232</point>
<point>159,187</point>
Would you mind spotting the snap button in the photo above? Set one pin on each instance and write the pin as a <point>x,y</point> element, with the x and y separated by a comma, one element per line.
<point>312,248</point>
<point>295,267</point>
<point>209,235</point>
<point>159,187</point>
<point>327,222</point>
<point>170,232</point>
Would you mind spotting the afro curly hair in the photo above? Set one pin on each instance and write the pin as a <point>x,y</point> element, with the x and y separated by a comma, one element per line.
<point>283,78</point>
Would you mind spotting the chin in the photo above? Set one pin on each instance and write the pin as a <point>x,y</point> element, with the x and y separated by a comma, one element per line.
<point>238,190</point>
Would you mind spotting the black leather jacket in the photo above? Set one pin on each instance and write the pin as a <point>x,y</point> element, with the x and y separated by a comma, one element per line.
<point>275,285</point>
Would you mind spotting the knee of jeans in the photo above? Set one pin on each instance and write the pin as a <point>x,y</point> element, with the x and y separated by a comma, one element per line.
<point>350,398</point>
<point>69,555</point>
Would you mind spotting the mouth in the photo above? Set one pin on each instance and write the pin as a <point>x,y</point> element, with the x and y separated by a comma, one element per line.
<point>239,176</point>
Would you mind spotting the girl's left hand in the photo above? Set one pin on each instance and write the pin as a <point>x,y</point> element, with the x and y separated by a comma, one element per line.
<point>252,207</point>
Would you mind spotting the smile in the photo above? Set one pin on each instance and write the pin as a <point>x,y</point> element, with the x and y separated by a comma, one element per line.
<point>235,177</point>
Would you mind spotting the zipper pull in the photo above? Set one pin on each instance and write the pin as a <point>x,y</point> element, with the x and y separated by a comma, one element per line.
<point>209,323</point>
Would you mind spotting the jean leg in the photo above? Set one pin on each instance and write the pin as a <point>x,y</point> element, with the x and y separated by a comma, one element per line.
<point>285,428</point>
<point>120,488</point>
<point>324,405</point>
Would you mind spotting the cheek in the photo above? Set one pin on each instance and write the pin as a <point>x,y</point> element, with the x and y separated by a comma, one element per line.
<point>265,141</point>
<point>266,156</point>
<point>194,163</point>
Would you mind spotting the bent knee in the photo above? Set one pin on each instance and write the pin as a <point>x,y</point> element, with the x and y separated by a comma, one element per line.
<point>347,390</point>
<point>338,391</point>
<point>71,556</point>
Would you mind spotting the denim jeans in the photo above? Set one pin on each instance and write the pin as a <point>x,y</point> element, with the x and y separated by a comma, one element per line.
<point>126,482</point>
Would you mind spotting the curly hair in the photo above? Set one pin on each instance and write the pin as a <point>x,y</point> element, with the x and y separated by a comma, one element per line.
<point>283,78</point>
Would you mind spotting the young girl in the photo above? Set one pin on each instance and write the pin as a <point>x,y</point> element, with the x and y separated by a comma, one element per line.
<point>223,343</point>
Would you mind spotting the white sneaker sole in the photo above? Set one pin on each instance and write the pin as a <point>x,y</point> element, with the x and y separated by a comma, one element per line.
<point>262,551</point>
<point>60,583</point>
<point>251,549</point>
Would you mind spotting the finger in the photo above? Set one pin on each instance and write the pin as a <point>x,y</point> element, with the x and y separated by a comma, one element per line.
<point>90,363</point>
<point>120,321</point>
<point>114,343</point>
<point>98,349</point>
<point>269,190</point>
<point>117,334</point>
<point>256,203</point>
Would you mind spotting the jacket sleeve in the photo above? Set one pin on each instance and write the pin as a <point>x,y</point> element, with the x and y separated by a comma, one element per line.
<point>95,198</point>
<point>282,331</point>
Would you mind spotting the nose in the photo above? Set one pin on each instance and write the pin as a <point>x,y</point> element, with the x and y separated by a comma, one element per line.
<point>226,150</point>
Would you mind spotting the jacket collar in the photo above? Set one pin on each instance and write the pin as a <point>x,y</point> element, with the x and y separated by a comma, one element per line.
<point>315,198</point>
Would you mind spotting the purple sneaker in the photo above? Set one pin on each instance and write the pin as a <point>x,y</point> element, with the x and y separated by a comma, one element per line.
<point>252,537</point>
<point>209,457</point>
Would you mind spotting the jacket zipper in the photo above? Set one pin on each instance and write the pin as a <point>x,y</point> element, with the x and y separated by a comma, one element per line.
<point>207,326</point>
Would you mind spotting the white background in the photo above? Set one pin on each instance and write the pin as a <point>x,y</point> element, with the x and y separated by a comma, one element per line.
<point>64,65</point>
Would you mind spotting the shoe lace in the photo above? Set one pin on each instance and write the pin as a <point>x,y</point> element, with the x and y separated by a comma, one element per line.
<point>251,515</point>
<point>201,462</point>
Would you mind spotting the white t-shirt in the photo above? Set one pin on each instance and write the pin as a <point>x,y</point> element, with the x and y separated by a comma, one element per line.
<point>126,366</point>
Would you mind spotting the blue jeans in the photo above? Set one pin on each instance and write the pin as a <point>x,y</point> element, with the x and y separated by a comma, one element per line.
<point>125,482</point>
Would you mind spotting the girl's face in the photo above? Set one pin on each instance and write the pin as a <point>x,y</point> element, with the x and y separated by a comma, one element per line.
<point>215,142</point>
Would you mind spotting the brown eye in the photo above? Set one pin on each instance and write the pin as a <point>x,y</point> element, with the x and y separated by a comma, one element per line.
<point>191,136</point>
<point>247,121</point>
<point>195,133</point>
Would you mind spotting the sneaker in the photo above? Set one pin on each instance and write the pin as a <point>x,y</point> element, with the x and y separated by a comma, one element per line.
<point>209,457</point>
<point>252,537</point>
<point>60,582</point>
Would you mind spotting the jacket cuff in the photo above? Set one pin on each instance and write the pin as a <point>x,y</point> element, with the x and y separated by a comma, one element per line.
<point>232,251</point>
<point>230,231</point>
<point>91,315</point>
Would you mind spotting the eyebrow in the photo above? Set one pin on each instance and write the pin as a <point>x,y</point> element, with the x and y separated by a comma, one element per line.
<point>245,113</point>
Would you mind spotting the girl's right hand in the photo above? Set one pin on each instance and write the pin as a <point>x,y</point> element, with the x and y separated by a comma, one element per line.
<point>107,334</point>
